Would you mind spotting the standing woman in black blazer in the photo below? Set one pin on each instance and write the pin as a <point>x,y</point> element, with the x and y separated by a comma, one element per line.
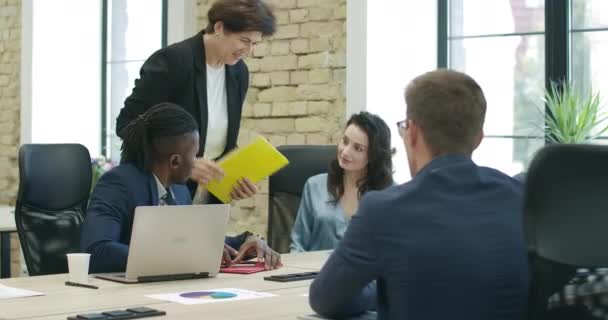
<point>206,75</point>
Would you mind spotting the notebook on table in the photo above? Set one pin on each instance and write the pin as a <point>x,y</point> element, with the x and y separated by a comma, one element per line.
<point>246,267</point>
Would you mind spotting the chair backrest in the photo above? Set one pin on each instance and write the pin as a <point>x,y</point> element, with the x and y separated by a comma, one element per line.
<point>566,214</point>
<point>54,186</point>
<point>285,189</point>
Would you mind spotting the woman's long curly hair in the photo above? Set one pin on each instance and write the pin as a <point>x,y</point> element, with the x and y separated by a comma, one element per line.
<point>380,165</point>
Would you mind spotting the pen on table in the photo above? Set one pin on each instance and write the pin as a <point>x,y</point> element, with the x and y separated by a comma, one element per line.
<point>76,284</point>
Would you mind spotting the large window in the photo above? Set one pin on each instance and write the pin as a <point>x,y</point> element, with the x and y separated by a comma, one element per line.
<point>66,75</point>
<point>528,45</point>
<point>589,47</point>
<point>84,66</point>
<point>506,57</point>
<point>134,31</point>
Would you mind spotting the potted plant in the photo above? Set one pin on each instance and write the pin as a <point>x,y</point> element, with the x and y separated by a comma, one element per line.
<point>569,115</point>
<point>572,116</point>
<point>100,166</point>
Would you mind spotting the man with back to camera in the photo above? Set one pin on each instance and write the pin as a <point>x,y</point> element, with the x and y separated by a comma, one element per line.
<point>449,243</point>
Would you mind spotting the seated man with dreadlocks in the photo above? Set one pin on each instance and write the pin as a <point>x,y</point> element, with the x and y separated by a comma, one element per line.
<point>158,151</point>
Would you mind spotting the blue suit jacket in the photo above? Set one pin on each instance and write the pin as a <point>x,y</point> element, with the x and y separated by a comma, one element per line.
<point>106,231</point>
<point>448,244</point>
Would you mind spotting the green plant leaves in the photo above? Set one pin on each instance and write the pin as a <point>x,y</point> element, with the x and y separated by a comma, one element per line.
<point>572,116</point>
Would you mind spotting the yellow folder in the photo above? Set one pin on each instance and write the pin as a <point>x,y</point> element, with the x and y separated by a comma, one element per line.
<point>255,161</point>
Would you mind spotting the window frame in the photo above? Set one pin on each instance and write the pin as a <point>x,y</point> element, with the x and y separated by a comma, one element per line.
<point>557,44</point>
<point>105,151</point>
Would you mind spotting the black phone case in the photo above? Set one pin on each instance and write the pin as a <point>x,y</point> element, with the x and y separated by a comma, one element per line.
<point>292,277</point>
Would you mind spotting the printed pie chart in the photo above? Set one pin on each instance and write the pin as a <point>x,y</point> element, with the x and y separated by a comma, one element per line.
<point>208,295</point>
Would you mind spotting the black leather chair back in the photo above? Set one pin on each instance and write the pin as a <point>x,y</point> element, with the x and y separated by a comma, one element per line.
<point>566,214</point>
<point>285,189</point>
<point>54,187</point>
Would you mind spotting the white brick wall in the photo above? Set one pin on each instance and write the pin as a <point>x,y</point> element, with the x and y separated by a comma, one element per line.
<point>297,88</point>
<point>10,101</point>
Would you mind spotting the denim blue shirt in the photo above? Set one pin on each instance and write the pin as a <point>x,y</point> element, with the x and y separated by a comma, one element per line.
<point>319,225</point>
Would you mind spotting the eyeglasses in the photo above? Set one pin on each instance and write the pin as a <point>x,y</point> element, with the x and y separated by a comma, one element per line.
<point>402,126</point>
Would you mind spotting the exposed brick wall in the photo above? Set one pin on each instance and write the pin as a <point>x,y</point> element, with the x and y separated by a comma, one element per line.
<point>10,102</point>
<point>10,65</point>
<point>297,87</point>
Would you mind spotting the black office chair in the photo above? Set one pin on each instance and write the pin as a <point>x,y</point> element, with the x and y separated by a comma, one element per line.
<point>54,186</point>
<point>285,189</point>
<point>566,214</point>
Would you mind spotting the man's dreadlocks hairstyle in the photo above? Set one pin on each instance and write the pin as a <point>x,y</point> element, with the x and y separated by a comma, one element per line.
<point>154,134</point>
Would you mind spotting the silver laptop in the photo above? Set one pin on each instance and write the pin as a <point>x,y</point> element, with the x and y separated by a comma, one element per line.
<point>174,243</point>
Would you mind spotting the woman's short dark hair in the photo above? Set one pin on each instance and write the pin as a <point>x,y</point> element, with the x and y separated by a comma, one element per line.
<point>154,134</point>
<point>380,164</point>
<point>242,15</point>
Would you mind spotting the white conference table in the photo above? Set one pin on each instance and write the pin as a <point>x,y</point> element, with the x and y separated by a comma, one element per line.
<point>61,301</point>
<point>7,226</point>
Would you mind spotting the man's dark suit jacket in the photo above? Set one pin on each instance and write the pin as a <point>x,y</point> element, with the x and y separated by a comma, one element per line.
<point>106,231</point>
<point>178,74</point>
<point>448,244</point>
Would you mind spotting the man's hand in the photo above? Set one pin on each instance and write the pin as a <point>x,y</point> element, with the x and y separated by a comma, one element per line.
<point>243,189</point>
<point>255,246</point>
<point>229,252</point>
<point>205,170</point>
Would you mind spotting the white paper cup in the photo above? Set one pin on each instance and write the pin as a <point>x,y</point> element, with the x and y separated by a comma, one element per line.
<point>78,265</point>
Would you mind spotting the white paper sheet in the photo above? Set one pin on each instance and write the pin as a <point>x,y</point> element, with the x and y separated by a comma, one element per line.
<point>210,296</point>
<point>7,292</point>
